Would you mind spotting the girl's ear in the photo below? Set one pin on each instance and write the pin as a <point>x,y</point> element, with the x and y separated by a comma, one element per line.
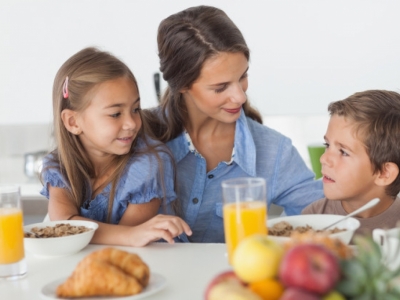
<point>389,173</point>
<point>69,120</point>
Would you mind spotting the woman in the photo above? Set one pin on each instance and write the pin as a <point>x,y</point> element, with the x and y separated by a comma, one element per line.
<point>209,125</point>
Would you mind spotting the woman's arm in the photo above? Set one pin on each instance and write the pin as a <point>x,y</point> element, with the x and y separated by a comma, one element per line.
<point>61,207</point>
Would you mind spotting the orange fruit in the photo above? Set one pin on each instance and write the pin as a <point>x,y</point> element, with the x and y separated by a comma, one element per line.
<point>267,289</point>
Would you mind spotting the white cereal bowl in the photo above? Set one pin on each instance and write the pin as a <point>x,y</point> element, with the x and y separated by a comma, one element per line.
<point>318,221</point>
<point>59,246</point>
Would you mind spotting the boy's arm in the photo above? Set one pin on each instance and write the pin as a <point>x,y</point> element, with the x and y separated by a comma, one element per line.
<point>309,209</point>
<point>317,207</point>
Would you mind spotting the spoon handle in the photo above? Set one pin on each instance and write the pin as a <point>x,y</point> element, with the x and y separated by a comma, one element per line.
<point>366,206</point>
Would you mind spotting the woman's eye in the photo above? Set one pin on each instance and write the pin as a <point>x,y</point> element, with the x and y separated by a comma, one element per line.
<point>136,110</point>
<point>220,90</point>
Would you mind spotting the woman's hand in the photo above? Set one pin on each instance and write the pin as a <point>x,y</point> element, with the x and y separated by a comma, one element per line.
<point>159,227</point>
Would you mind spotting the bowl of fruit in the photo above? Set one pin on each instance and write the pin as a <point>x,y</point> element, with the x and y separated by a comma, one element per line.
<point>311,268</point>
<point>281,229</point>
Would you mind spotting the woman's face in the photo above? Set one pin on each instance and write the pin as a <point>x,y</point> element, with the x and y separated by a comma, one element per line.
<point>220,90</point>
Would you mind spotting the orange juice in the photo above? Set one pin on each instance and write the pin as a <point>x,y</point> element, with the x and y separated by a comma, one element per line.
<point>241,220</point>
<point>11,235</point>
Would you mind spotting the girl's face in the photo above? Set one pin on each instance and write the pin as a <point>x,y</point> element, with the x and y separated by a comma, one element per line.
<point>111,122</point>
<point>346,167</point>
<point>220,90</point>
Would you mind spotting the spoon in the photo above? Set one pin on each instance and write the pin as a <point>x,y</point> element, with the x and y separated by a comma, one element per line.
<point>366,206</point>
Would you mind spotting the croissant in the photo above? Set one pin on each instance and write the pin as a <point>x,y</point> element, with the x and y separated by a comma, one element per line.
<point>130,263</point>
<point>107,272</point>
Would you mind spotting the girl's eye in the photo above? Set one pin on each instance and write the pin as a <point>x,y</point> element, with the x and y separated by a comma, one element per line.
<point>115,115</point>
<point>326,145</point>
<point>344,153</point>
<point>220,90</point>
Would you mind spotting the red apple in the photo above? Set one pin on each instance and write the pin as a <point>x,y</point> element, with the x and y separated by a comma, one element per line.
<point>223,277</point>
<point>310,267</point>
<point>297,294</point>
<point>227,285</point>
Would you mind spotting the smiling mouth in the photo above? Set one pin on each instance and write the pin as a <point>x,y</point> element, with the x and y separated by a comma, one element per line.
<point>125,139</point>
<point>233,111</point>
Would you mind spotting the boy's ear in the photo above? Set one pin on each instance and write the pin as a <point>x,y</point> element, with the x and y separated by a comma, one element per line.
<point>389,173</point>
<point>68,118</point>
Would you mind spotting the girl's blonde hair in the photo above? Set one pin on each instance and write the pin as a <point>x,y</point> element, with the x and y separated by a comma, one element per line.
<point>86,69</point>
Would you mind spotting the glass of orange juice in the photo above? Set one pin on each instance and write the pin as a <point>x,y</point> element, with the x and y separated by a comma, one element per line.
<point>12,262</point>
<point>244,209</point>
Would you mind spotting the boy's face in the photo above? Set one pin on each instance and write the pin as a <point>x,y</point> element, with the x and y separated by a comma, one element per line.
<point>346,168</point>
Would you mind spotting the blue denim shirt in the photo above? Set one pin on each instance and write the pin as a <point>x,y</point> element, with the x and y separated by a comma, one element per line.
<point>259,152</point>
<point>139,183</point>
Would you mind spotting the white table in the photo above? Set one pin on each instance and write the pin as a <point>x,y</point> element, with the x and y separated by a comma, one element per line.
<point>187,267</point>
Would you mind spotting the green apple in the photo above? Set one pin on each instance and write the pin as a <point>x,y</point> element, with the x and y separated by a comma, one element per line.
<point>257,258</point>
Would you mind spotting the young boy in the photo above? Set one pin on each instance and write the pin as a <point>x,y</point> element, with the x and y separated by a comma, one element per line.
<point>362,159</point>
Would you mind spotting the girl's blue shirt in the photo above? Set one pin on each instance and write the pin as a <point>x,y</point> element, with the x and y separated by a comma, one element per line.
<point>259,151</point>
<point>139,183</point>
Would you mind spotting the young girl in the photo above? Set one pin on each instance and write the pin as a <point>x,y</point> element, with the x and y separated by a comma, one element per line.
<point>104,167</point>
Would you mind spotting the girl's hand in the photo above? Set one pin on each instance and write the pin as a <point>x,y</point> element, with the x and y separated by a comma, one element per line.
<point>159,227</point>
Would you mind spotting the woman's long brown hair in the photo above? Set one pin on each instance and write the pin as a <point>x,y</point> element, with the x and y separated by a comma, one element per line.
<point>185,41</point>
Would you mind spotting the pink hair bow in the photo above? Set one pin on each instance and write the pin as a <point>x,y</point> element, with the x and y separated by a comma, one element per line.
<point>65,88</point>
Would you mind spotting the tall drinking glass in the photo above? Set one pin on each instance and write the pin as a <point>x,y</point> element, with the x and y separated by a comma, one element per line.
<point>12,262</point>
<point>244,210</point>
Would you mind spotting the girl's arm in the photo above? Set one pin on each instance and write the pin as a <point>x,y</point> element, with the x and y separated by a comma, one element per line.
<point>61,207</point>
<point>136,214</point>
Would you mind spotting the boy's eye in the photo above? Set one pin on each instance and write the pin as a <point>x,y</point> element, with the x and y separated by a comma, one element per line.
<point>245,75</point>
<point>220,90</point>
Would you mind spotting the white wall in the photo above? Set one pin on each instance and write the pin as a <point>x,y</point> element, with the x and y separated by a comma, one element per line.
<point>305,54</point>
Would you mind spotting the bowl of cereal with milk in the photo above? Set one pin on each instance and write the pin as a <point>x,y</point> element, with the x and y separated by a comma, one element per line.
<point>58,238</point>
<point>280,229</point>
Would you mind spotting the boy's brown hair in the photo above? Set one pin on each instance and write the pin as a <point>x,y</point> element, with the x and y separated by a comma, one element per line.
<point>376,115</point>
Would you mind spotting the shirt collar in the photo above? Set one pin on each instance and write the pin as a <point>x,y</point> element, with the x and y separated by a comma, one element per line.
<point>245,150</point>
<point>179,147</point>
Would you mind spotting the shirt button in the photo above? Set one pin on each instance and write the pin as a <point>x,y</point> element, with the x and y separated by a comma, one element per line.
<point>195,200</point>
<point>211,176</point>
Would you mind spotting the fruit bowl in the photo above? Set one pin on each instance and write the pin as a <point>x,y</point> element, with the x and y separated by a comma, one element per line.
<point>59,246</point>
<point>318,222</point>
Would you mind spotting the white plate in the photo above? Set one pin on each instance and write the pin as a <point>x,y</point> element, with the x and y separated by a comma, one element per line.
<point>157,283</point>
